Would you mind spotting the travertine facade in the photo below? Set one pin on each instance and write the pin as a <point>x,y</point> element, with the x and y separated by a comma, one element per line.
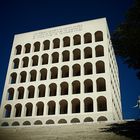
<point>67,74</point>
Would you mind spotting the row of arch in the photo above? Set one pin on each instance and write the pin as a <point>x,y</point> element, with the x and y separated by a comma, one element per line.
<point>53,73</point>
<point>53,89</point>
<point>52,108</point>
<point>55,57</point>
<point>50,122</point>
<point>56,42</point>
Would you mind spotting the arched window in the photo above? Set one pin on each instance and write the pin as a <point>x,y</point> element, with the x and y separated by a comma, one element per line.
<point>28,109</point>
<point>39,108</point>
<point>63,106</point>
<point>64,88</point>
<point>51,108</point>
<point>56,43</point>
<point>41,91</point>
<point>7,111</point>
<point>66,41</point>
<point>101,118</point>
<point>87,38</point>
<point>55,57</point>
<point>38,122</point>
<point>54,73</point>
<point>20,93</point>
<point>88,68</point>
<point>27,48</point>
<point>35,60</point>
<point>43,74</point>
<point>101,84</point>
<point>23,77</point>
<point>15,124</point>
<point>99,51</point>
<point>76,70</point>
<point>101,104</point>
<point>25,62</point>
<point>10,93</point>
<point>75,106</point>
<point>75,120</point>
<point>62,121</point>
<point>77,40</point>
<point>49,122</point>
<point>88,119</point>
<point>18,49</point>
<point>46,44</point>
<point>45,59</point>
<point>33,74</point>
<point>5,124</point>
<point>26,123</point>
<point>31,91</point>
<point>13,78</point>
<point>65,71</point>
<point>76,87</point>
<point>66,56</point>
<point>76,54</point>
<point>100,67</point>
<point>88,52</point>
<point>53,89</point>
<point>36,46</point>
<point>98,36</point>
<point>88,104</point>
<point>88,86</point>
<point>18,109</point>
<point>15,63</point>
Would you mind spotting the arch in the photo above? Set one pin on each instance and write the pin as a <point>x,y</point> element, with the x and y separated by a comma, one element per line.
<point>65,71</point>
<point>56,43</point>
<point>76,54</point>
<point>43,74</point>
<point>101,84</point>
<point>45,58</point>
<point>38,122</point>
<point>75,120</point>
<point>13,78</point>
<point>76,87</point>
<point>51,108</point>
<point>88,68</point>
<point>46,44</point>
<point>50,122</point>
<point>10,94</point>
<point>33,74</point>
<point>18,49</point>
<point>15,123</point>
<point>100,67</point>
<point>102,118</point>
<point>63,107</point>
<point>88,52</point>
<point>18,109</point>
<point>25,62</point>
<point>35,60</point>
<point>98,36</point>
<point>31,91</point>
<point>41,90</point>
<point>88,104</point>
<point>53,89</point>
<point>5,124</point>
<point>7,111</point>
<point>27,48</point>
<point>66,41</point>
<point>37,46</point>
<point>101,103</point>
<point>39,108</point>
<point>66,56</point>
<point>62,121</point>
<point>20,93</point>
<point>99,51</point>
<point>76,70</point>
<point>28,109</point>
<point>64,88</point>
<point>87,38</point>
<point>88,84</point>
<point>26,123</point>
<point>23,75</point>
<point>15,63</point>
<point>88,119</point>
<point>77,40</point>
<point>75,106</point>
<point>54,73</point>
<point>55,57</point>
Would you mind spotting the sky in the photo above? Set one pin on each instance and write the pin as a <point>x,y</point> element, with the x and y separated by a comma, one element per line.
<point>19,16</point>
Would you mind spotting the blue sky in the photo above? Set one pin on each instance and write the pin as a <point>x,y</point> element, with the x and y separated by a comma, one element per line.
<point>18,16</point>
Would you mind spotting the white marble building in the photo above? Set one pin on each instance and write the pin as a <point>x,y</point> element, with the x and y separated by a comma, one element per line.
<point>66,74</point>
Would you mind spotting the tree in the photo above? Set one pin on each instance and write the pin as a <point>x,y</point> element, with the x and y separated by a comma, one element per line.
<point>126,38</point>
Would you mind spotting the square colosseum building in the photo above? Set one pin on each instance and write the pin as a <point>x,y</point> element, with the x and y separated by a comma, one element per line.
<point>62,75</point>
